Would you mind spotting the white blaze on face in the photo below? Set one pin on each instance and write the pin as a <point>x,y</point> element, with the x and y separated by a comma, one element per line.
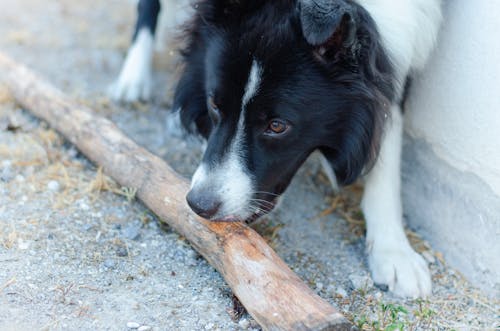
<point>230,179</point>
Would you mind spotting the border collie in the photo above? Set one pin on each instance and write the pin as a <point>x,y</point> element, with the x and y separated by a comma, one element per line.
<point>269,82</point>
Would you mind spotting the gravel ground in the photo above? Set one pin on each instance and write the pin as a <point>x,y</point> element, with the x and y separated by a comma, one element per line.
<point>77,252</point>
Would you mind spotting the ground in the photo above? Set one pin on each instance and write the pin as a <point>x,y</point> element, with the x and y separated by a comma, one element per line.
<point>78,252</point>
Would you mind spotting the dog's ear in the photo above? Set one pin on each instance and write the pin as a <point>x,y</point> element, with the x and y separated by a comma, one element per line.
<point>329,25</point>
<point>213,12</point>
<point>352,144</point>
<point>190,100</point>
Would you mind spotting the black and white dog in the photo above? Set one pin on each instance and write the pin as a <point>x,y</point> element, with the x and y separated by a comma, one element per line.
<point>269,82</point>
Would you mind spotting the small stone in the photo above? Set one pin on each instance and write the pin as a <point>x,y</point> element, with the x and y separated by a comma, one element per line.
<point>382,287</point>
<point>121,251</point>
<point>209,326</point>
<point>87,227</point>
<point>360,282</point>
<point>144,328</point>
<point>133,325</point>
<point>6,175</point>
<point>244,323</point>
<point>84,206</point>
<point>23,245</point>
<point>340,291</point>
<point>429,257</point>
<point>110,263</point>
<point>132,231</point>
<point>319,286</point>
<point>53,186</point>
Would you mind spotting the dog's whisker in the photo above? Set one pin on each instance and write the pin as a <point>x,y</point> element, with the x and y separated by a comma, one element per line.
<point>267,193</point>
<point>264,207</point>
<point>269,203</point>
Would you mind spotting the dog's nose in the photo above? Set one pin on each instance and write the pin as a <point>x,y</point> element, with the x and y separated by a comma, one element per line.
<point>202,203</point>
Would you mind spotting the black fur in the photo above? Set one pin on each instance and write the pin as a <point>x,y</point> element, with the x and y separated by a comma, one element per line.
<point>147,16</point>
<point>324,71</point>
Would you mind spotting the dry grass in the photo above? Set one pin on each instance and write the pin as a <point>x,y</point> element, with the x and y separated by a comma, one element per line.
<point>8,283</point>
<point>5,95</point>
<point>10,237</point>
<point>346,204</point>
<point>102,183</point>
<point>41,150</point>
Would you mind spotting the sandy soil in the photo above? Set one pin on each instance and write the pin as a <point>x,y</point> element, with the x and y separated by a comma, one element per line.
<point>77,252</point>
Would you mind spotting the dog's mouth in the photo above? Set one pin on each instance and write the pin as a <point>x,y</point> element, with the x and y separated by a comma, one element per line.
<point>269,206</point>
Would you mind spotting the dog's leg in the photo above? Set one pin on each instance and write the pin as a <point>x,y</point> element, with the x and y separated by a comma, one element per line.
<point>391,259</point>
<point>134,81</point>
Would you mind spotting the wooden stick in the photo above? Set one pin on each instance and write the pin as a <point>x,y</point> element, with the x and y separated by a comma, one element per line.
<point>269,290</point>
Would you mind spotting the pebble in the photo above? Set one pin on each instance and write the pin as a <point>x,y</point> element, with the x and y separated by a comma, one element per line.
<point>132,231</point>
<point>6,175</point>
<point>244,323</point>
<point>133,325</point>
<point>135,305</point>
<point>110,263</point>
<point>87,227</point>
<point>340,291</point>
<point>360,282</point>
<point>144,328</point>
<point>84,206</point>
<point>121,251</point>
<point>319,286</point>
<point>53,186</point>
<point>23,245</point>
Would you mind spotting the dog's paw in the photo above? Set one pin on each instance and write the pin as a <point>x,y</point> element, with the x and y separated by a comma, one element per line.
<point>131,87</point>
<point>401,269</point>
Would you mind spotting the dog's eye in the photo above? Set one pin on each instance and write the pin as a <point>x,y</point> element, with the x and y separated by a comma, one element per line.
<point>213,109</point>
<point>277,127</point>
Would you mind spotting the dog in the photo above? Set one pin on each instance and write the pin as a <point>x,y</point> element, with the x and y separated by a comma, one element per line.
<point>266,83</point>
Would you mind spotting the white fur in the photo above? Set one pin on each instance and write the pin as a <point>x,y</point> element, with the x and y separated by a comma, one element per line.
<point>134,81</point>
<point>408,29</point>
<point>200,176</point>
<point>391,259</point>
<point>327,168</point>
<point>252,86</point>
<point>230,181</point>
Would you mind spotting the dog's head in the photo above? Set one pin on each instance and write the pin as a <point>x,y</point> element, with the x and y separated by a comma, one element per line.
<point>267,83</point>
